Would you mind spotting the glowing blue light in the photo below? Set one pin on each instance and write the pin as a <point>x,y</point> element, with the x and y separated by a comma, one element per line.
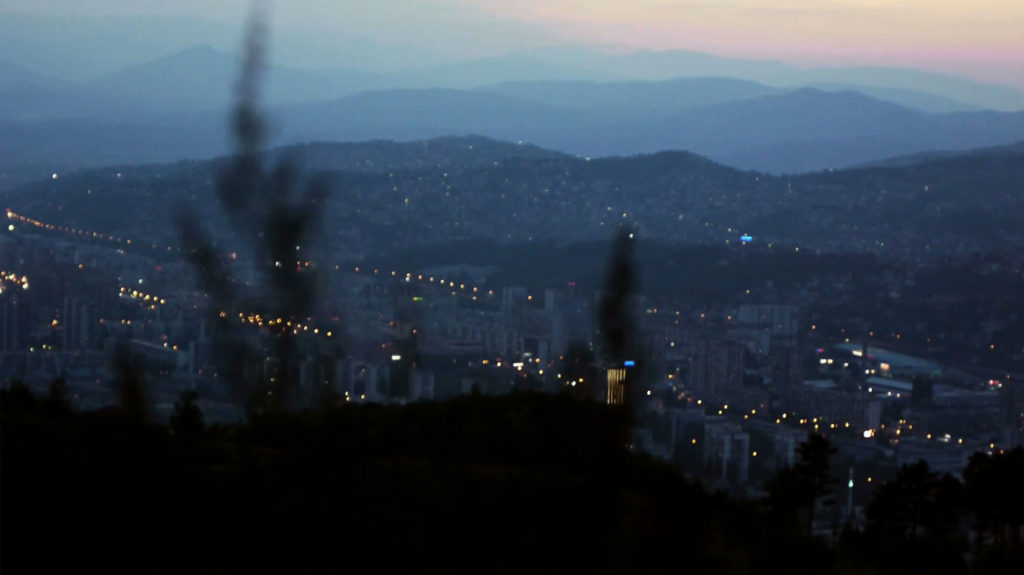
<point>629,363</point>
<point>746,238</point>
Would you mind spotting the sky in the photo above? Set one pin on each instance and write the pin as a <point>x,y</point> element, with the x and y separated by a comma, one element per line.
<point>979,38</point>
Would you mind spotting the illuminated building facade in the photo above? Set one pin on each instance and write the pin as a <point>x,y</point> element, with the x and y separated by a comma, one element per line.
<point>616,386</point>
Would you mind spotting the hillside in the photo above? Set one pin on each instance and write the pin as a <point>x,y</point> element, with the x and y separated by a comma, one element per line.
<point>927,157</point>
<point>470,189</point>
<point>385,156</point>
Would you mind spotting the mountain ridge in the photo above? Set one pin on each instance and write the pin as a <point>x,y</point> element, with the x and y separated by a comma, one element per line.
<point>787,132</point>
<point>427,195</point>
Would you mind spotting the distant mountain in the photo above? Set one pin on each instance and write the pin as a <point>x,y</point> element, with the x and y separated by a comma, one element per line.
<point>629,98</point>
<point>419,114</point>
<point>798,131</point>
<point>201,78</point>
<point>16,77</point>
<point>975,93</point>
<point>941,156</point>
<point>649,65</point>
<point>78,48</point>
<point>805,130</point>
<point>664,65</point>
<point>682,93</point>
<point>920,101</point>
<point>191,81</point>
<point>27,96</point>
<point>194,78</point>
<point>790,132</point>
<point>74,143</point>
<point>81,49</point>
<point>498,69</point>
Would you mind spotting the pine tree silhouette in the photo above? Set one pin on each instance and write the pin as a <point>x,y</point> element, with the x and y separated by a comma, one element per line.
<point>275,215</point>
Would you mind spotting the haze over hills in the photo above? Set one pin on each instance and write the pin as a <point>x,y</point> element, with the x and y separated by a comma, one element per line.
<point>156,103</point>
<point>681,93</point>
<point>655,66</point>
<point>790,132</point>
<point>629,98</point>
<point>793,131</point>
<point>201,78</point>
<point>1016,149</point>
<point>809,130</point>
<point>88,49</point>
<point>82,49</point>
<point>14,77</point>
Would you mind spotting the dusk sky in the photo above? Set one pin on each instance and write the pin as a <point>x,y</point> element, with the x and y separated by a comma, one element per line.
<point>979,38</point>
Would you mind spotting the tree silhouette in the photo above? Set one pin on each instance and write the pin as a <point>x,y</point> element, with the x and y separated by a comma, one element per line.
<point>918,504</point>
<point>577,364</point>
<point>615,315</point>
<point>275,216</point>
<point>57,399</point>
<point>806,485</point>
<point>994,488</point>
<point>617,322</point>
<point>787,495</point>
<point>815,454</point>
<point>187,421</point>
<point>130,383</point>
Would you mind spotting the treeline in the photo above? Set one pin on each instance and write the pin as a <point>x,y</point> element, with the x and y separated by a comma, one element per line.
<point>492,484</point>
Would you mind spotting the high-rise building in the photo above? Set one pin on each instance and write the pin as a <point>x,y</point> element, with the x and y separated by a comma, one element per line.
<point>422,384</point>
<point>76,332</point>
<point>15,319</point>
<point>1011,413</point>
<point>726,452</point>
<point>787,368</point>
<point>616,377</point>
<point>769,327</point>
<point>716,366</point>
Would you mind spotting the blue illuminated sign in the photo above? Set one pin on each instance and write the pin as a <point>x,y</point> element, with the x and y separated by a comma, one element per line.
<point>629,363</point>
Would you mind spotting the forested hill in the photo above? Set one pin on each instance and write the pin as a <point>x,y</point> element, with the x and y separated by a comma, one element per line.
<point>386,195</point>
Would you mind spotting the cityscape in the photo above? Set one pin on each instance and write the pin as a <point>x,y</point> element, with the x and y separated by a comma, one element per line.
<point>477,351</point>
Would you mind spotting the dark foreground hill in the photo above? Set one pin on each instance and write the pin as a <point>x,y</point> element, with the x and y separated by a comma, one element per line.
<point>490,485</point>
